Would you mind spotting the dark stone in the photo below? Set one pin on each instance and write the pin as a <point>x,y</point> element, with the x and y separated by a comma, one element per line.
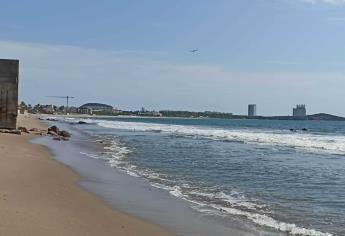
<point>65,134</point>
<point>54,129</point>
<point>52,133</point>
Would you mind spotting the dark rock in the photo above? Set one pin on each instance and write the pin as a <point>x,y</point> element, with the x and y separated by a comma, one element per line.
<point>57,138</point>
<point>82,122</point>
<point>34,130</point>
<point>54,128</point>
<point>65,134</point>
<point>52,133</point>
<point>304,129</point>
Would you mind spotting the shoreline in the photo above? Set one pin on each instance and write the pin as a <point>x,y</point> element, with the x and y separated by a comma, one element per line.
<point>40,196</point>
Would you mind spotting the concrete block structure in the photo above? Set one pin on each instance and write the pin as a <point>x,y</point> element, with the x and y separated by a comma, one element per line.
<point>9,70</point>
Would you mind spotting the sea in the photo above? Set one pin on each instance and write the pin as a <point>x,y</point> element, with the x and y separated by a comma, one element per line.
<point>283,176</point>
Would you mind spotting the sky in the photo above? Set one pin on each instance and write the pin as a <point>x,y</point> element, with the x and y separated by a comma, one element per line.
<point>136,53</point>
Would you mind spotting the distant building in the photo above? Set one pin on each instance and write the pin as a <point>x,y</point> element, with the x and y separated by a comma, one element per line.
<point>252,110</point>
<point>46,109</point>
<point>156,114</point>
<point>86,111</point>
<point>73,110</point>
<point>90,108</point>
<point>8,93</point>
<point>299,110</point>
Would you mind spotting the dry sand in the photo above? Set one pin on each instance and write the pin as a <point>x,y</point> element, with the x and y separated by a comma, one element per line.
<point>39,196</point>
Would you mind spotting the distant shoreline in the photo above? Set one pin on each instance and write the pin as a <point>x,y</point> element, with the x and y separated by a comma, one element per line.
<point>313,117</point>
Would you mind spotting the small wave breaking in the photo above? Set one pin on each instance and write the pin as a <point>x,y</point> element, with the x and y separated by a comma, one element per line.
<point>306,141</point>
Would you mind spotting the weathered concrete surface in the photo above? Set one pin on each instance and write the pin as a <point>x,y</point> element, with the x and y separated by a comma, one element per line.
<point>9,70</point>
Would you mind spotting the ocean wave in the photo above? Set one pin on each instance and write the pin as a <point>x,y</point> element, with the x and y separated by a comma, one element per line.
<point>220,210</point>
<point>213,201</point>
<point>334,144</point>
<point>268,221</point>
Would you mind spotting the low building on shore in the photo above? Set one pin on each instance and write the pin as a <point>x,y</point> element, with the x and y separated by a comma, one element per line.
<point>96,108</point>
<point>84,111</point>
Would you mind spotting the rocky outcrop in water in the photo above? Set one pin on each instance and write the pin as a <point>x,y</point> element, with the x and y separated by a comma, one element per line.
<point>58,134</point>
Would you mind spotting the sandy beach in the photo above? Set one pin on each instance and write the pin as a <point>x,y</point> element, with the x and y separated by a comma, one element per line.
<point>39,196</point>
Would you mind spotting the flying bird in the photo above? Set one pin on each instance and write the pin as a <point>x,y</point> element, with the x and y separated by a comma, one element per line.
<point>194,50</point>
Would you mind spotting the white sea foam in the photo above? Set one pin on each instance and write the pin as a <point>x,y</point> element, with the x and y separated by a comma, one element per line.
<point>92,155</point>
<point>235,199</point>
<point>267,221</point>
<point>307,141</point>
<point>258,218</point>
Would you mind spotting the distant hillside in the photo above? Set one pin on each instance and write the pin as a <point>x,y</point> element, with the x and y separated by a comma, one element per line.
<point>324,116</point>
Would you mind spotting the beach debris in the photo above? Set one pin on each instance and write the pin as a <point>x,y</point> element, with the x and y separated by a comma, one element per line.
<point>37,131</point>
<point>23,129</point>
<point>10,131</point>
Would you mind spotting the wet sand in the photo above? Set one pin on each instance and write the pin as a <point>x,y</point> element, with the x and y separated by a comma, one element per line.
<point>39,196</point>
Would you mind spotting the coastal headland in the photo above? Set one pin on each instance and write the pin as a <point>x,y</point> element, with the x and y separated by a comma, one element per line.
<point>39,196</point>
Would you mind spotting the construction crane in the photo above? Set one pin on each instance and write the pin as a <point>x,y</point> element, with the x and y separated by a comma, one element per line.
<point>64,97</point>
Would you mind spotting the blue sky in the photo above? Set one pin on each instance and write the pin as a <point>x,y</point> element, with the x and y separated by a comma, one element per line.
<point>275,53</point>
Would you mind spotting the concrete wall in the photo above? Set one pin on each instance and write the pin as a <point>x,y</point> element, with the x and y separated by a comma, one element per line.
<point>8,93</point>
